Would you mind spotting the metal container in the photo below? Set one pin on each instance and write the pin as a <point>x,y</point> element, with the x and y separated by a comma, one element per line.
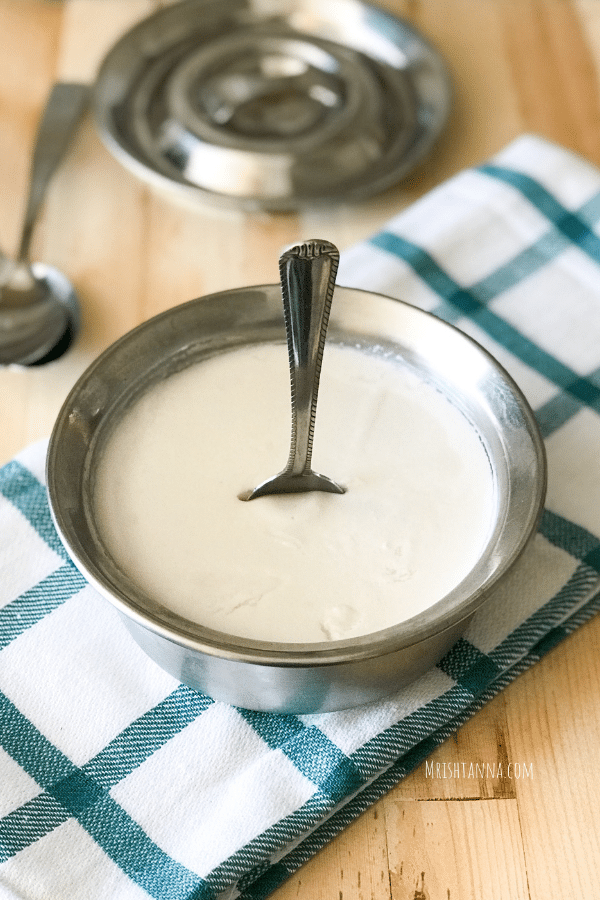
<point>273,105</point>
<point>297,678</point>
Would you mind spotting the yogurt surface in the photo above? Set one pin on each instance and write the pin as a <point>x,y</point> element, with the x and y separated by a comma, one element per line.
<point>304,567</point>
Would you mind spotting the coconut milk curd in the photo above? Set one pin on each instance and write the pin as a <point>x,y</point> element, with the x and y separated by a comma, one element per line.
<point>303,567</point>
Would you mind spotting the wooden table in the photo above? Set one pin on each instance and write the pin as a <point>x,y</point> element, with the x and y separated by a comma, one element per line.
<point>518,65</point>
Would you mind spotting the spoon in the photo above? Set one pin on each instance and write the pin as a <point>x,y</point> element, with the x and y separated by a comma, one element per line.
<point>39,310</point>
<point>307,272</point>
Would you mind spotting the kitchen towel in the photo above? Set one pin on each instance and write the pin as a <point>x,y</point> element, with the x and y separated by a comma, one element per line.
<point>117,781</point>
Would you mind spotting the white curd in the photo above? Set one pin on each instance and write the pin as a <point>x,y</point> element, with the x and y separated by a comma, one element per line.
<point>303,567</point>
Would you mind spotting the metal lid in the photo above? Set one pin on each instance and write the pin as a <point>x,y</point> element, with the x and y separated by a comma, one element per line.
<point>272,104</point>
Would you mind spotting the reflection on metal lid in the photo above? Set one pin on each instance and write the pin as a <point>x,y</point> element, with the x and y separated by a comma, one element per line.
<point>264,106</point>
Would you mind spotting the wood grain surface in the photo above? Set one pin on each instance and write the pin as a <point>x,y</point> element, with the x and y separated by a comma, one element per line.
<point>517,66</point>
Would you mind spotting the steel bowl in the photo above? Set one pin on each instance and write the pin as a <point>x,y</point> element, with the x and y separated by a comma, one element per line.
<point>282,677</point>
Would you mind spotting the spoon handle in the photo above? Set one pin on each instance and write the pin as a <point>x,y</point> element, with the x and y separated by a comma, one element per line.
<point>307,272</point>
<point>64,108</point>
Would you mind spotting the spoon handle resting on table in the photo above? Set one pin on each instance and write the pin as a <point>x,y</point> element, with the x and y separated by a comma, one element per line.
<point>65,106</point>
<point>307,273</point>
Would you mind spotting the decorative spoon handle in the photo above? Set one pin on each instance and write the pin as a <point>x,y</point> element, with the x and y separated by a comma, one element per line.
<point>307,274</point>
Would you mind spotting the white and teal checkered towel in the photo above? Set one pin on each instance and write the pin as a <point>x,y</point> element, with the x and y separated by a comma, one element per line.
<point>118,782</point>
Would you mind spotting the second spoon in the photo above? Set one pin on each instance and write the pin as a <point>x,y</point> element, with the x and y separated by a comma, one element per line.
<point>39,311</point>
